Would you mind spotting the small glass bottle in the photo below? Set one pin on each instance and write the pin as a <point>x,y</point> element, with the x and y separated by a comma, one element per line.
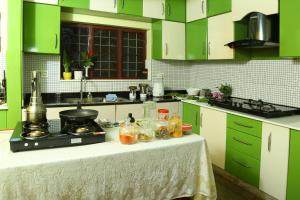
<point>162,125</point>
<point>175,126</point>
<point>127,133</point>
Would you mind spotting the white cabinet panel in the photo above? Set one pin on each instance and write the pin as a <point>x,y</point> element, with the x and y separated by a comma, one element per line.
<point>195,9</point>
<point>240,8</point>
<point>104,112</point>
<point>122,111</point>
<point>104,5</point>
<point>54,2</point>
<point>53,113</point>
<point>274,160</point>
<point>173,37</point>
<point>154,9</point>
<point>220,32</point>
<point>213,129</point>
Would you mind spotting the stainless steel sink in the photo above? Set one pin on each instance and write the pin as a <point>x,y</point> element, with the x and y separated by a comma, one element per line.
<point>84,100</point>
<point>92,100</point>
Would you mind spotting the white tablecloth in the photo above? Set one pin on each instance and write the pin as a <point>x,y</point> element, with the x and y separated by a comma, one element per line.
<point>158,170</point>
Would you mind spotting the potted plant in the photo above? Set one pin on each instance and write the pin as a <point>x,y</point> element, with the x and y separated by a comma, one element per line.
<point>67,75</point>
<point>88,58</point>
<point>226,89</point>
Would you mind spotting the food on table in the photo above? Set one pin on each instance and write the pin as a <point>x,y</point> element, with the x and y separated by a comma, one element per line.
<point>175,126</point>
<point>162,125</point>
<point>186,129</point>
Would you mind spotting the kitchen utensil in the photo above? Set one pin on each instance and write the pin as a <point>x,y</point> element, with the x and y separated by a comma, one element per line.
<point>36,111</point>
<point>143,88</point>
<point>78,115</point>
<point>158,86</point>
<point>193,91</point>
<point>132,92</point>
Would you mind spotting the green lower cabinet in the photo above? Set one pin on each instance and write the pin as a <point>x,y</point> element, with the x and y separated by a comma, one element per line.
<point>242,166</point>
<point>175,10</point>
<point>85,4</point>
<point>196,40</point>
<point>41,28</point>
<point>216,7</point>
<point>293,192</point>
<point>130,7</point>
<point>191,115</point>
<point>3,119</point>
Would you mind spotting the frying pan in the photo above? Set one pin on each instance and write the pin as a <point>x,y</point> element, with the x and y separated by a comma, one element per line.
<point>78,115</point>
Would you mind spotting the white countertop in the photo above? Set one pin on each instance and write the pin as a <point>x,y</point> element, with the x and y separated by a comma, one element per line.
<point>3,107</point>
<point>161,169</point>
<point>292,122</point>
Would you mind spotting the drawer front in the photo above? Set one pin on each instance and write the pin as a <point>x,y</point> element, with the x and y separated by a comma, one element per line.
<point>244,143</point>
<point>243,167</point>
<point>246,125</point>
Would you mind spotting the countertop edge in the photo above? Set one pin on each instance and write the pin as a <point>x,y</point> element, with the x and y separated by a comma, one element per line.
<point>3,107</point>
<point>287,122</point>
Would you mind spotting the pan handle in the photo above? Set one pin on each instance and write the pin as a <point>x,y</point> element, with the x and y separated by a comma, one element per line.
<point>79,105</point>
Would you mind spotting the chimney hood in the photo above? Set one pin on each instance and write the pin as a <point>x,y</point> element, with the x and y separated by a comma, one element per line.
<point>261,31</point>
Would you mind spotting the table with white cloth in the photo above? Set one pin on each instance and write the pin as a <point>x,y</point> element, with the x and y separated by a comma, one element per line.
<point>157,170</point>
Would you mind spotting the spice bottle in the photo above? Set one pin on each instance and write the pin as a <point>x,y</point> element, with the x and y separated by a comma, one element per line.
<point>162,125</point>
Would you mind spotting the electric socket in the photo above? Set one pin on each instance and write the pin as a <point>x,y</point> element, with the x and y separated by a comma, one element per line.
<point>44,73</point>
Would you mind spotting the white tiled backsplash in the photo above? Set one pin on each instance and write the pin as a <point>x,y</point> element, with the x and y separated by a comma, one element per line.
<point>276,81</point>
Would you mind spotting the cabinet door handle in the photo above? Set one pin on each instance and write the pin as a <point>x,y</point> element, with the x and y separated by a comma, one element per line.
<point>242,142</point>
<point>202,6</point>
<point>204,48</point>
<point>201,119</point>
<point>208,48</point>
<point>123,3</point>
<point>115,3</point>
<point>56,41</point>
<point>270,142</point>
<point>242,164</point>
<point>196,118</point>
<point>167,50</point>
<point>243,125</point>
<point>169,9</point>
<point>163,9</point>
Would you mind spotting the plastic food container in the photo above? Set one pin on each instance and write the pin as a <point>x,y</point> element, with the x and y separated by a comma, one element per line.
<point>127,134</point>
<point>162,129</point>
<point>186,129</point>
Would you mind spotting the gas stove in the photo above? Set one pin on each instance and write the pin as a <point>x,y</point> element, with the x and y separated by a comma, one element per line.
<point>255,107</point>
<point>53,134</point>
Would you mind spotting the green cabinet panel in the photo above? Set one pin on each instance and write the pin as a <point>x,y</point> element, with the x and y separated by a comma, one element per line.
<point>289,37</point>
<point>216,7</point>
<point>175,10</point>
<point>130,7</point>
<point>191,115</point>
<point>245,125</point>
<point>196,40</point>
<point>243,166</point>
<point>157,40</point>
<point>85,4</point>
<point>294,167</point>
<point>3,119</point>
<point>41,28</point>
<point>244,143</point>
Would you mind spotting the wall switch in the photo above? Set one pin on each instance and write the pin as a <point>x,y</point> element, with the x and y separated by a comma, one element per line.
<point>44,73</point>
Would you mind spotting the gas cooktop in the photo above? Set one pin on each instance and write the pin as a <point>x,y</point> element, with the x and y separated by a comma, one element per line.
<point>255,107</point>
<point>54,134</point>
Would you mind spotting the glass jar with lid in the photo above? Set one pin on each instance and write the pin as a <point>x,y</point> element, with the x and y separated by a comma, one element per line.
<point>175,124</point>
<point>162,125</point>
<point>127,134</point>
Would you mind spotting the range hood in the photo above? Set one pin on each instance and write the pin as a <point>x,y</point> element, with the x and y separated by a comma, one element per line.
<point>261,31</point>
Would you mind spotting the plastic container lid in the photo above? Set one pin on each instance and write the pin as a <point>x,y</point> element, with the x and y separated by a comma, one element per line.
<point>163,110</point>
<point>186,127</point>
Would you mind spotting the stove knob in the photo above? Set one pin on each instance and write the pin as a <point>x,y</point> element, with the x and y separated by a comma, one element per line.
<point>36,144</point>
<point>26,144</point>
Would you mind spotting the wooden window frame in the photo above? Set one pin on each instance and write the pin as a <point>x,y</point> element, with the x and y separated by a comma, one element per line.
<point>120,31</point>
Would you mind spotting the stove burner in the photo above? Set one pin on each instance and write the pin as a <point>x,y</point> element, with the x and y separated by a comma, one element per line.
<point>74,128</point>
<point>35,131</point>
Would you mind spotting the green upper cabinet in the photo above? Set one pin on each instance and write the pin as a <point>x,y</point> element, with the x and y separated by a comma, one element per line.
<point>41,28</point>
<point>130,7</point>
<point>216,7</point>
<point>3,119</point>
<point>289,28</point>
<point>85,4</point>
<point>175,10</point>
<point>196,40</point>
<point>191,115</point>
<point>294,167</point>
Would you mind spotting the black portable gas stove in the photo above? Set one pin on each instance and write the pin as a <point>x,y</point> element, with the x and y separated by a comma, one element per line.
<point>55,133</point>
